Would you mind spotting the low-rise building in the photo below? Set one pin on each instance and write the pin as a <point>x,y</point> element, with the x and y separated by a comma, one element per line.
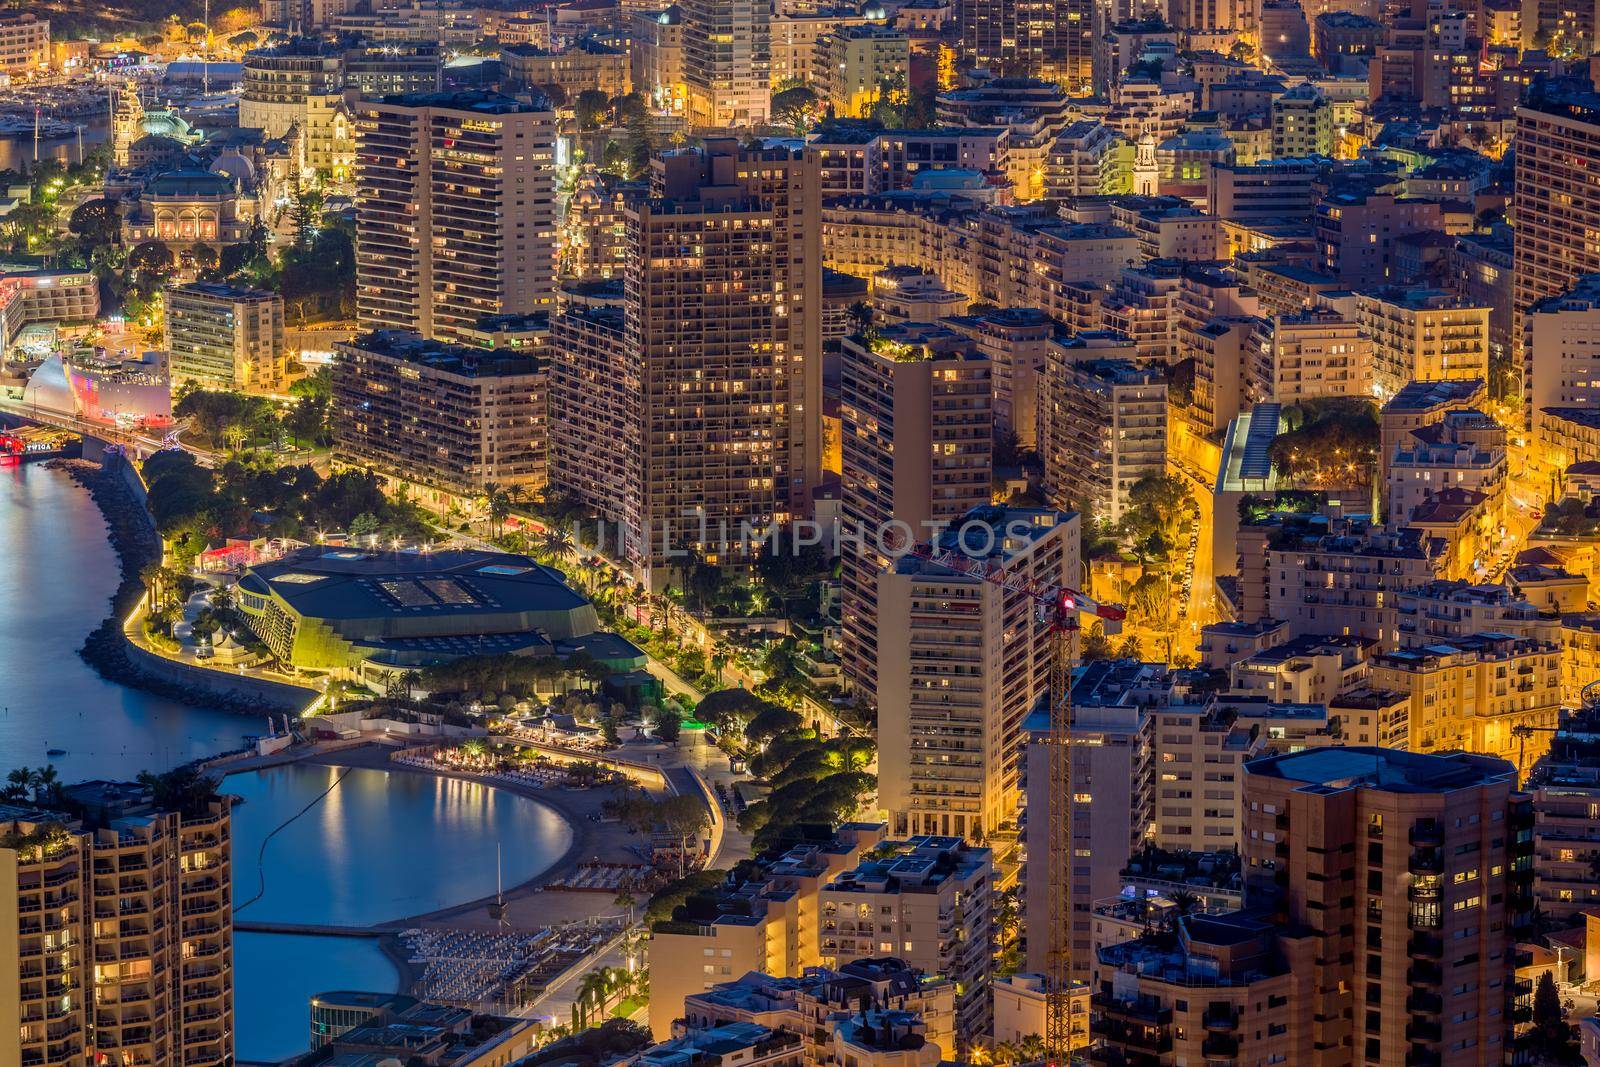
<point>1016,340</point>
<point>855,63</point>
<point>1442,611</point>
<point>928,900</point>
<point>746,1044</point>
<point>655,56</point>
<point>1222,644</point>
<point>1475,693</point>
<point>1311,669</point>
<point>767,920</point>
<point>1464,450</point>
<point>587,64</point>
<point>1580,655</point>
<point>816,1002</point>
<point>1419,405</point>
<point>1565,787</point>
<point>1271,190</point>
<point>184,209</point>
<point>1089,159</point>
<point>64,298</point>
<point>1379,718</point>
<point>1356,232</point>
<point>1562,363</point>
<point>402,1027</point>
<point>1309,355</point>
<point>1423,335</point>
<point>911,294</point>
<point>1196,996</point>
<point>1020,1001</point>
<point>24,43</point>
<point>1198,749</point>
<point>1467,523</point>
<point>1343,582</point>
<point>370,616</point>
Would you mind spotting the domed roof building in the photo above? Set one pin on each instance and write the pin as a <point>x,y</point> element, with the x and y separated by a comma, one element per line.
<point>189,206</point>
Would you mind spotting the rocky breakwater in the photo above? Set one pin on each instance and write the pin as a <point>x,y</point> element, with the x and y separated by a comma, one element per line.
<point>132,533</point>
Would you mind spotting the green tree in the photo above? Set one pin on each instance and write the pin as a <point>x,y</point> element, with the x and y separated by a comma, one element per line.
<point>591,108</point>
<point>96,222</point>
<point>795,109</point>
<point>667,722</point>
<point>151,258</point>
<point>770,722</point>
<point>685,818</point>
<point>730,710</point>
<point>307,420</point>
<point>1552,1038</point>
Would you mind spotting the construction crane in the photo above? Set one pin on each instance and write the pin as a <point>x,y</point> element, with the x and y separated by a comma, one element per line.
<point>1057,609</point>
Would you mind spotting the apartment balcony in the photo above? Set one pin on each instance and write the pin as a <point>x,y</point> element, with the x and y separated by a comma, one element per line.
<point>1426,832</point>
<point>1221,1022</point>
<point>1421,1030</point>
<point>1155,1040</point>
<point>1149,1014</point>
<point>1426,946</point>
<point>1423,893</point>
<point>1423,973</point>
<point>1220,1046</point>
<point>1423,1003</point>
<point>1426,861</point>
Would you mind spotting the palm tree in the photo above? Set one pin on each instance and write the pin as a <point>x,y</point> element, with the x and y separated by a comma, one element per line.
<point>556,543</point>
<point>18,784</point>
<point>46,785</point>
<point>591,997</point>
<point>624,900</point>
<point>860,314</point>
<point>151,575</point>
<point>1183,901</point>
<point>494,502</point>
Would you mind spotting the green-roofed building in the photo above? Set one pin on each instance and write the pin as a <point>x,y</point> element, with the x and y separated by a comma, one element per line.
<point>366,615</point>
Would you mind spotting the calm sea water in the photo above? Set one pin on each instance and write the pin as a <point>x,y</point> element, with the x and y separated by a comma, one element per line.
<point>16,153</point>
<point>57,574</point>
<point>275,977</point>
<point>380,846</point>
<point>383,845</point>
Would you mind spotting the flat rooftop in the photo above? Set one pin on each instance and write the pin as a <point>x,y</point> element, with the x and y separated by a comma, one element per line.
<point>351,584</point>
<point>1386,769</point>
<point>1426,396</point>
<point>442,356</point>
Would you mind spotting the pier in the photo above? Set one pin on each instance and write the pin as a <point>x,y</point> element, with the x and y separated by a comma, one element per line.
<point>310,929</point>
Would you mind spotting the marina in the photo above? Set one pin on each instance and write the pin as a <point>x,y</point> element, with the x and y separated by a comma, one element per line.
<point>347,865</point>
